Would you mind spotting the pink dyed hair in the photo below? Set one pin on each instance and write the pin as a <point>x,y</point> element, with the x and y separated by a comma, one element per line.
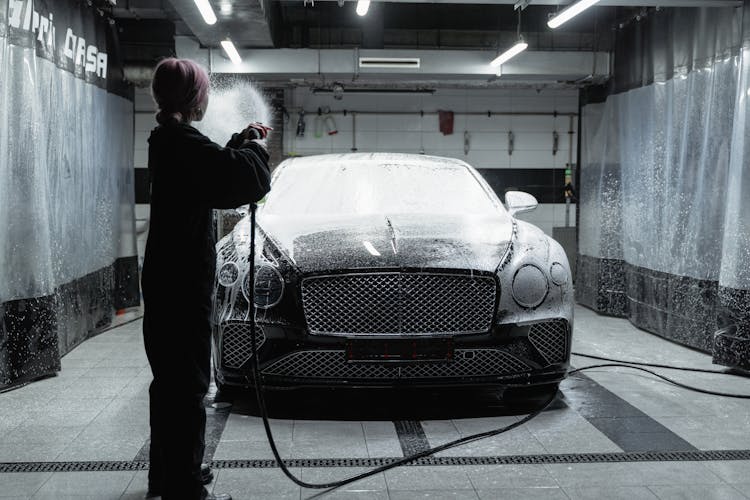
<point>179,87</point>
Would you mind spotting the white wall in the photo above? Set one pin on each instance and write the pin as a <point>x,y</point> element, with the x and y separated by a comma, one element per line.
<point>412,134</point>
<point>145,121</point>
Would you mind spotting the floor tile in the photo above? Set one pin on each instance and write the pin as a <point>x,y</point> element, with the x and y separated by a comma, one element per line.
<point>95,484</point>
<point>731,471</point>
<point>610,493</point>
<point>446,494</point>
<point>414,478</point>
<point>354,494</point>
<point>541,493</point>
<point>263,483</point>
<point>332,474</point>
<point>488,477</point>
<point>697,492</point>
<point>22,484</point>
<point>632,474</point>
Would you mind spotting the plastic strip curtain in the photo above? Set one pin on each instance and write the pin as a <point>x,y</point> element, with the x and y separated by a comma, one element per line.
<point>664,206</point>
<point>66,206</point>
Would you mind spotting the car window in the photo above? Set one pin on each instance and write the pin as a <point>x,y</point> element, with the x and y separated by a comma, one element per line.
<point>374,188</point>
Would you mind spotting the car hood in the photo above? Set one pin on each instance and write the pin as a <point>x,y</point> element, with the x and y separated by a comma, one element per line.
<point>316,244</point>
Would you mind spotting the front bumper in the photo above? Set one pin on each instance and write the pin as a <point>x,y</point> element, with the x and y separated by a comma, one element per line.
<point>510,355</point>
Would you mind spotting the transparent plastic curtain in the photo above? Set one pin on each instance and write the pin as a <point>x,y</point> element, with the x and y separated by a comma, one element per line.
<point>66,207</point>
<point>664,208</point>
<point>655,175</point>
<point>62,152</point>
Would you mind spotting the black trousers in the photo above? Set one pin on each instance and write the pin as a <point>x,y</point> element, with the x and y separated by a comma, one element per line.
<point>179,353</point>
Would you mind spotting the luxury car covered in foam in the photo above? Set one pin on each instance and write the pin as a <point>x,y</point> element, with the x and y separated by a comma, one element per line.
<point>389,269</point>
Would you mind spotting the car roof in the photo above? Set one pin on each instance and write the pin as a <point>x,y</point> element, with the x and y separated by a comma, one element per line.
<point>374,158</point>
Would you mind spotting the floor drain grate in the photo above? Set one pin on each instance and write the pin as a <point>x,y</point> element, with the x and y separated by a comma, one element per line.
<point>566,458</point>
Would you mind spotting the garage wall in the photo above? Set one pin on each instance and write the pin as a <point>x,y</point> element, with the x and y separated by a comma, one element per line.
<point>531,166</point>
<point>145,122</point>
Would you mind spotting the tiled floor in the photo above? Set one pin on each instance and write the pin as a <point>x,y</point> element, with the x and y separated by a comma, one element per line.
<point>96,409</point>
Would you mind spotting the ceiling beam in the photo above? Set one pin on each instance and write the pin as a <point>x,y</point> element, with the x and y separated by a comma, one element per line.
<point>602,3</point>
<point>434,65</point>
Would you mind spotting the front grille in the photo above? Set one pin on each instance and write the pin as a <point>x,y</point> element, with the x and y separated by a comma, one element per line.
<point>332,364</point>
<point>398,303</point>
<point>550,338</point>
<point>236,348</point>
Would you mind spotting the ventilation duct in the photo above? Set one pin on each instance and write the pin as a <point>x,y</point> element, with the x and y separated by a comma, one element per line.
<point>389,62</point>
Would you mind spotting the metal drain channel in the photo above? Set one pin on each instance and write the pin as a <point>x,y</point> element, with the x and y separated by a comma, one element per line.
<point>564,458</point>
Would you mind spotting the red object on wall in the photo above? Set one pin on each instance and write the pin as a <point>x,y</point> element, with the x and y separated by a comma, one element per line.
<point>446,122</point>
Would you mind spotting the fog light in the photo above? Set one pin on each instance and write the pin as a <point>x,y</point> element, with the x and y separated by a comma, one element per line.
<point>269,287</point>
<point>228,274</point>
<point>530,286</point>
<point>558,274</point>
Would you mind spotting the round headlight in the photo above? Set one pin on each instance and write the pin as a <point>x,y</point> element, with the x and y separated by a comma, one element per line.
<point>228,274</point>
<point>269,287</point>
<point>529,286</point>
<point>558,274</point>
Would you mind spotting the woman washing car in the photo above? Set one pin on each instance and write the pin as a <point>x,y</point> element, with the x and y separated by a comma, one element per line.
<point>190,175</point>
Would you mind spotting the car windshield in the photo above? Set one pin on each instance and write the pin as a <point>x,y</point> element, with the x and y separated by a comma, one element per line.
<point>367,187</point>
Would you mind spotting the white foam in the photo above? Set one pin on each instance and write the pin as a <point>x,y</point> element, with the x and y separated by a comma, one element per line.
<point>232,106</point>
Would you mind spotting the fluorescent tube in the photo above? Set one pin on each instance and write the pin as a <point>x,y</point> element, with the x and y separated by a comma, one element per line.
<point>206,11</point>
<point>231,51</point>
<point>362,7</point>
<point>509,54</point>
<point>569,13</point>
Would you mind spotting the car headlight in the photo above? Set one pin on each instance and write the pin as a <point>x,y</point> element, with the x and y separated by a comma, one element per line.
<point>269,287</point>
<point>228,274</point>
<point>529,286</point>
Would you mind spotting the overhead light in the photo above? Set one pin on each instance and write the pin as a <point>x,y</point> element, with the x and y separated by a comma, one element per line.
<point>226,8</point>
<point>509,54</point>
<point>231,51</point>
<point>206,11</point>
<point>569,13</point>
<point>362,7</point>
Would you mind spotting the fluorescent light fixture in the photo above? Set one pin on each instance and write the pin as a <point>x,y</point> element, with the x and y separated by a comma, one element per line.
<point>226,8</point>
<point>371,248</point>
<point>231,51</point>
<point>206,11</point>
<point>571,12</point>
<point>509,54</point>
<point>362,7</point>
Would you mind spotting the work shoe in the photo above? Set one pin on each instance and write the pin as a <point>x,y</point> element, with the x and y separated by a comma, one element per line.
<point>219,496</point>
<point>154,491</point>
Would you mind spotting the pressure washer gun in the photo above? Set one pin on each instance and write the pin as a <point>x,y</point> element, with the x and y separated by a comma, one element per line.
<point>256,131</point>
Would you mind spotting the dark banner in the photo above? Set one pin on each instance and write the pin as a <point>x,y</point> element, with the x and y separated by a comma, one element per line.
<point>70,34</point>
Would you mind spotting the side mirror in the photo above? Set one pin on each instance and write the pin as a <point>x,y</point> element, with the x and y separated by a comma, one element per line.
<point>518,202</point>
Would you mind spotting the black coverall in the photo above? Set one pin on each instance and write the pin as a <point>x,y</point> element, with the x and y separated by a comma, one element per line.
<point>190,175</point>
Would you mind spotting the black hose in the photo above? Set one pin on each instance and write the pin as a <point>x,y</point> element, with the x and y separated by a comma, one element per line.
<point>663,377</point>
<point>656,365</point>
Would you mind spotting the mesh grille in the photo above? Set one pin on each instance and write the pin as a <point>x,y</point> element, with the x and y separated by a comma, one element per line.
<point>333,365</point>
<point>398,303</point>
<point>551,340</point>
<point>236,348</point>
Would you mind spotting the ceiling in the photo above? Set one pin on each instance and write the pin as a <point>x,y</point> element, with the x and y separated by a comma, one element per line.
<point>148,28</point>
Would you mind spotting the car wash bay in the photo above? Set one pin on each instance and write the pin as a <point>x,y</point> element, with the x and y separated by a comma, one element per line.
<point>627,124</point>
